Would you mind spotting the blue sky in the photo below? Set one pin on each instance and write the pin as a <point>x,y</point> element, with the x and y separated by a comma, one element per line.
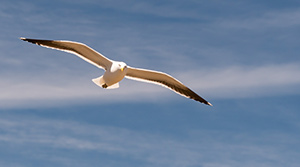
<point>241,56</point>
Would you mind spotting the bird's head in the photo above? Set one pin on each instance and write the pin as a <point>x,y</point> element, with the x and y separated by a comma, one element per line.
<point>122,66</point>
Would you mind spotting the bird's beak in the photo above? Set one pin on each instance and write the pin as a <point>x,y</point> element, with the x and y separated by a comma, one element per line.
<point>122,69</point>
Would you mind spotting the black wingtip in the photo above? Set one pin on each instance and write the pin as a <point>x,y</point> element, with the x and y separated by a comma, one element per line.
<point>34,41</point>
<point>27,40</point>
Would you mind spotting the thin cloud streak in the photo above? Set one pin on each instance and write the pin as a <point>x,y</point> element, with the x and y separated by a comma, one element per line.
<point>226,50</point>
<point>269,20</point>
<point>37,82</point>
<point>195,149</point>
<point>231,82</point>
<point>167,9</point>
<point>242,81</point>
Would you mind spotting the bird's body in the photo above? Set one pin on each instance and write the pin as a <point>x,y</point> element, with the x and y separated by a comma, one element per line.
<point>115,71</point>
<point>113,75</point>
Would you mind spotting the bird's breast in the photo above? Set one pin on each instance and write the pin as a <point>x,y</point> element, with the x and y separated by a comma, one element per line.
<point>113,76</point>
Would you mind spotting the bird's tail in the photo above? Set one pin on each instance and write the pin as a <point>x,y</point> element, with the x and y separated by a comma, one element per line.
<point>100,82</point>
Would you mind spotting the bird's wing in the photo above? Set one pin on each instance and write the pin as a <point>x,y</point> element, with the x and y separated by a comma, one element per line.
<point>79,49</point>
<point>163,79</point>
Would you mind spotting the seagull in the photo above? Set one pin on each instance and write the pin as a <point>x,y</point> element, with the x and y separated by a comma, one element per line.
<point>115,71</point>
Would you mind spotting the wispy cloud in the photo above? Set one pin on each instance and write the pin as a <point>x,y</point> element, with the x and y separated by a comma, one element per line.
<point>266,21</point>
<point>230,82</point>
<point>243,81</point>
<point>28,74</point>
<point>219,49</point>
<point>201,148</point>
<point>168,9</point>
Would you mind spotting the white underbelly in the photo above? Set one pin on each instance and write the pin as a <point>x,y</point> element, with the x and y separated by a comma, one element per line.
<point>111,78</point>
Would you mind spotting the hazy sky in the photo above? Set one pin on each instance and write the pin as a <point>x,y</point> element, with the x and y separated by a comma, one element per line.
<point>242,56</point>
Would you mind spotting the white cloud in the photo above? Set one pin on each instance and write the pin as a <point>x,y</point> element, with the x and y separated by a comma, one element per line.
<point>230,82</point>
<point>241,81</point>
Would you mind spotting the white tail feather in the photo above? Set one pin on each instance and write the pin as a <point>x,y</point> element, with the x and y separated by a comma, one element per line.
<point>114,86</point>
<point>100,82</point>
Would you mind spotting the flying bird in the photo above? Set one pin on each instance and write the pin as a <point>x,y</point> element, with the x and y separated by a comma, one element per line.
<point>115,71</point>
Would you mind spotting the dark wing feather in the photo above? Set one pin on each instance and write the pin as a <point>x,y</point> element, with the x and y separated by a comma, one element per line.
<point>164,80</point>
<point>81,50</point>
